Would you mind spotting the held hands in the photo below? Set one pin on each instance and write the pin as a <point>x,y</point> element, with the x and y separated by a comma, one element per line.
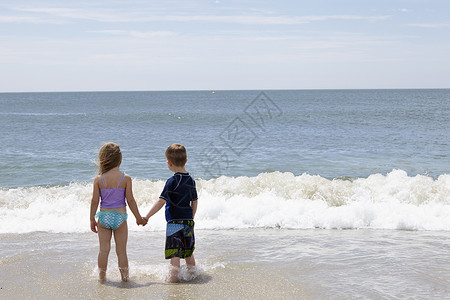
<point>142,221</point>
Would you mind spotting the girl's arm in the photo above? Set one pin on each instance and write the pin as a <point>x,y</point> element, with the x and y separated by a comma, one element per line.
<point>155,208</point>
<point>194,208</point>
<point>131,202</point>
<point>94,204</point>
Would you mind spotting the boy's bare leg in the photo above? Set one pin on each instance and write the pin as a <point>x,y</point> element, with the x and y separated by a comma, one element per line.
<point>174,269</point>
<point>121,238</point>
<point>104,238</point>
<point>190,262</point>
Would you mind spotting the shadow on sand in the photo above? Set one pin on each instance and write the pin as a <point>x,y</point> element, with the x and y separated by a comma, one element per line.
<point>126,285</point>
<point>201,279</point>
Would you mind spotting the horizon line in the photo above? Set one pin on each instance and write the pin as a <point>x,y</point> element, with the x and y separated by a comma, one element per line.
<point>223,90</point>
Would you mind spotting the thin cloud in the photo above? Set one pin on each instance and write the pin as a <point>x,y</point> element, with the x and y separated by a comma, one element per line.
<point>267,20</point>
<point>111,16</point>
<point>137,34</point>
<point>25,19</point>
<point>429,25</point>
<point>72,13</point>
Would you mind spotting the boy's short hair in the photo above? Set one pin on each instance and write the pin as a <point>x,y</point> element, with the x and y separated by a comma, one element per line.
<point>176,154</point>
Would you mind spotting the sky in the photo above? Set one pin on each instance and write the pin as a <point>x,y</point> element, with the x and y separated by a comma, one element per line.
<point>100,45</point>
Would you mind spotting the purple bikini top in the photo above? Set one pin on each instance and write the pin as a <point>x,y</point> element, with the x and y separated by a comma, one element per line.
<point>112,198</point>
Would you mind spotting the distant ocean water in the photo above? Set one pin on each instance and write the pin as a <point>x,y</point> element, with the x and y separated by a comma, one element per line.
<point>285,166</point>
<point>53,138</point>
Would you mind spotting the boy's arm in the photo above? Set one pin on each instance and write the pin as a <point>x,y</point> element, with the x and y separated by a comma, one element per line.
<point>155,208</point>
<point>94,205</point>
<point>131,202</point>
<point>194,208</point>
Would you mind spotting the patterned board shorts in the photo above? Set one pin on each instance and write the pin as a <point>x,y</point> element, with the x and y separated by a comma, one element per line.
<point>180,239</point>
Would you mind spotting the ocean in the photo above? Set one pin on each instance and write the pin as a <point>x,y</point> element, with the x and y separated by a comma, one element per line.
<point>303,194</point>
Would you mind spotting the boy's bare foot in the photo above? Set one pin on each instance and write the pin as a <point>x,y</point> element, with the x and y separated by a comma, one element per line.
<point>173,279</point>
<point>173,274</point>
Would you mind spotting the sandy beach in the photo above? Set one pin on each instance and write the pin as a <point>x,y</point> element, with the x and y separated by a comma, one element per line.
<point>242,264</point>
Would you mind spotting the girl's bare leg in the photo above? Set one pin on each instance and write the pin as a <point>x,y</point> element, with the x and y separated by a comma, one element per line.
<point>104,238</point>
<point>174,269</point>
<point>121,238</point>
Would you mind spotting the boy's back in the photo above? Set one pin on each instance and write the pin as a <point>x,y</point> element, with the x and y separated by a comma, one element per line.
<point>178,192</point>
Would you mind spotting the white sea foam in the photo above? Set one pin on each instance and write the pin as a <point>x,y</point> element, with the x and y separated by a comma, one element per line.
<point>161,271</point>
<point>273,200</point>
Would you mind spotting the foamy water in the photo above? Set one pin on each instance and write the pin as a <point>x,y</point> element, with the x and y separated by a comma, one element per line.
<point>269,200</point>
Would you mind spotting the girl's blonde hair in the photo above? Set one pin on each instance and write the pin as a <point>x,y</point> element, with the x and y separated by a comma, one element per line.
<point>109,157</point>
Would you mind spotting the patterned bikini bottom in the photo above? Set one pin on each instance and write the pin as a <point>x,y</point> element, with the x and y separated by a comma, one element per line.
<point>111,219</point>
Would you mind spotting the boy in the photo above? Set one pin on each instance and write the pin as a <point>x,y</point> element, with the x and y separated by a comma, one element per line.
<point>180,197</point>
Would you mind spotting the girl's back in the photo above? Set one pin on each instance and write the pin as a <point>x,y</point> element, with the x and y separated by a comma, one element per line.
<point>112,178</point>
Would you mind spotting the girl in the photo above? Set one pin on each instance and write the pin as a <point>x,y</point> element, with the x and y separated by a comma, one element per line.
<point>113,187</point>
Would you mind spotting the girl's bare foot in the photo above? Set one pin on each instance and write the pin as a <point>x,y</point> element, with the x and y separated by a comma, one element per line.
<point>124,274</point>
<point>102,275</point>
